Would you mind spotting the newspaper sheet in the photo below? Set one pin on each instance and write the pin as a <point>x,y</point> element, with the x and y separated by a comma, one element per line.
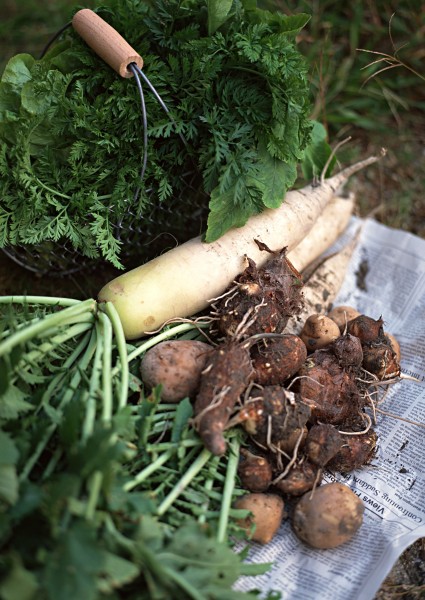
<point>386,277</point>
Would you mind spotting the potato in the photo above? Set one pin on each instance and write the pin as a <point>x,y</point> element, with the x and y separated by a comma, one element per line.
<point>328,517</point>
<point>319,331</point>
<point>268,511</point>
<point>342,314</point>
<point>177,366</point>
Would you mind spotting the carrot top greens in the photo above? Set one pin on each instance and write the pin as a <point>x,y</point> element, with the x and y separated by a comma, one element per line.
<point>71,129</point>
<point>104,492</point>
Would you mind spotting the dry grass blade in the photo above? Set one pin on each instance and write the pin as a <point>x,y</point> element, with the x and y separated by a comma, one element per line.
<point>392,59</point>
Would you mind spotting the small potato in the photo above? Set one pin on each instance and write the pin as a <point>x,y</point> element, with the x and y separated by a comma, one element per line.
<point>177,366</point>
<point>268,511</point>
<point>255,472</point>
<point>342,314</point>
<point>329,517</point>
<point>300,479</point>
<point>291,439</point>
<point>318,332</point>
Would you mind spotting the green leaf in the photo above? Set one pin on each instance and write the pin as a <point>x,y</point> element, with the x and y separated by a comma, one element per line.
<point>8,452</point>
<point>281,23</point>
<point>183,414</point>
<point>73,568</point>
<point>223,216</point>
<point>18,70</point>
<point>116,572</point>
<point>218,12</point>
<point>19,582</point>
<point>317,153</point>
<point>9,484</point>
<point>292,23</point>
<point>13,403</point>
<point>215,568</point>
<point>277,177</point>
<point>249,4</point>
<point>5,374</point>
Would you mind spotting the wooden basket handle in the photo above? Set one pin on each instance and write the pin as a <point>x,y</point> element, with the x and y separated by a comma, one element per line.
<point>106,42</point>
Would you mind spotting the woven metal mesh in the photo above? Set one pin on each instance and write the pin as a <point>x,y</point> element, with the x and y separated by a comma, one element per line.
<point>163,227</point>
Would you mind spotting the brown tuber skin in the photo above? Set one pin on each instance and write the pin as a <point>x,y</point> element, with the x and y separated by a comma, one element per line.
<point>329,517</point>
<point>292,439</point>
<point>275,360</point>
<point>176,365</point>
<point>273,416</point>
<point>366,328</point>
<point>380,359</point>
<point>269,295</point>
<point>300,479</point>
<point>328,389</point>
<point>318,332</point>
<point>255,472</point>
<point>267,515</point>
<point>394,345</point>
<point>322,443</point>
<point>227,373</point>
<point>348,350</point>
<point>342,314</point>
<point>356,451</point>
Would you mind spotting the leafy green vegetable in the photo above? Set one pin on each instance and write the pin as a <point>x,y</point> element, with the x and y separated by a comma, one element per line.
<point>71,135</point>
<point>105,492</point>
<point>317,153</point>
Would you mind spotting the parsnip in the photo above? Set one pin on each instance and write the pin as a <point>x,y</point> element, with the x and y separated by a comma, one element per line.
<point>183,281</point>
<point>327,229</point>
<point>323,286</point>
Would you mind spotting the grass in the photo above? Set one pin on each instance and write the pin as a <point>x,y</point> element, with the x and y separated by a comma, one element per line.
<point>347,46</point>
<point>27,25</point>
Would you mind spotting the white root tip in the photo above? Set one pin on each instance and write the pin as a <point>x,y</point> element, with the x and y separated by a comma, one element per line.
<point>340,178</point>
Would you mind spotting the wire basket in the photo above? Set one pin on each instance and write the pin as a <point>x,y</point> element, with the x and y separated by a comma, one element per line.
<point>142,239</point>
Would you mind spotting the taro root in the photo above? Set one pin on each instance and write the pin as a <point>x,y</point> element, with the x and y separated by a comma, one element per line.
<point>302,477</point>
<point>348,350</point>
<point>356,451</point>
<point>318,332</point>
<point>328,389</point>
<point>380,359</point>
<point>176,365</point>
<point>322,443</point>
<point>255,472</point>
<point>329,517</point>
<point>342,314</point>
<point>264,300</point>
<point>366,328</point>
<point>274,415</point>
<point>275,360</point>
<point>227,373</point>
<point>394,345</point>
<point>295,438</point>
<point>267,512</point>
